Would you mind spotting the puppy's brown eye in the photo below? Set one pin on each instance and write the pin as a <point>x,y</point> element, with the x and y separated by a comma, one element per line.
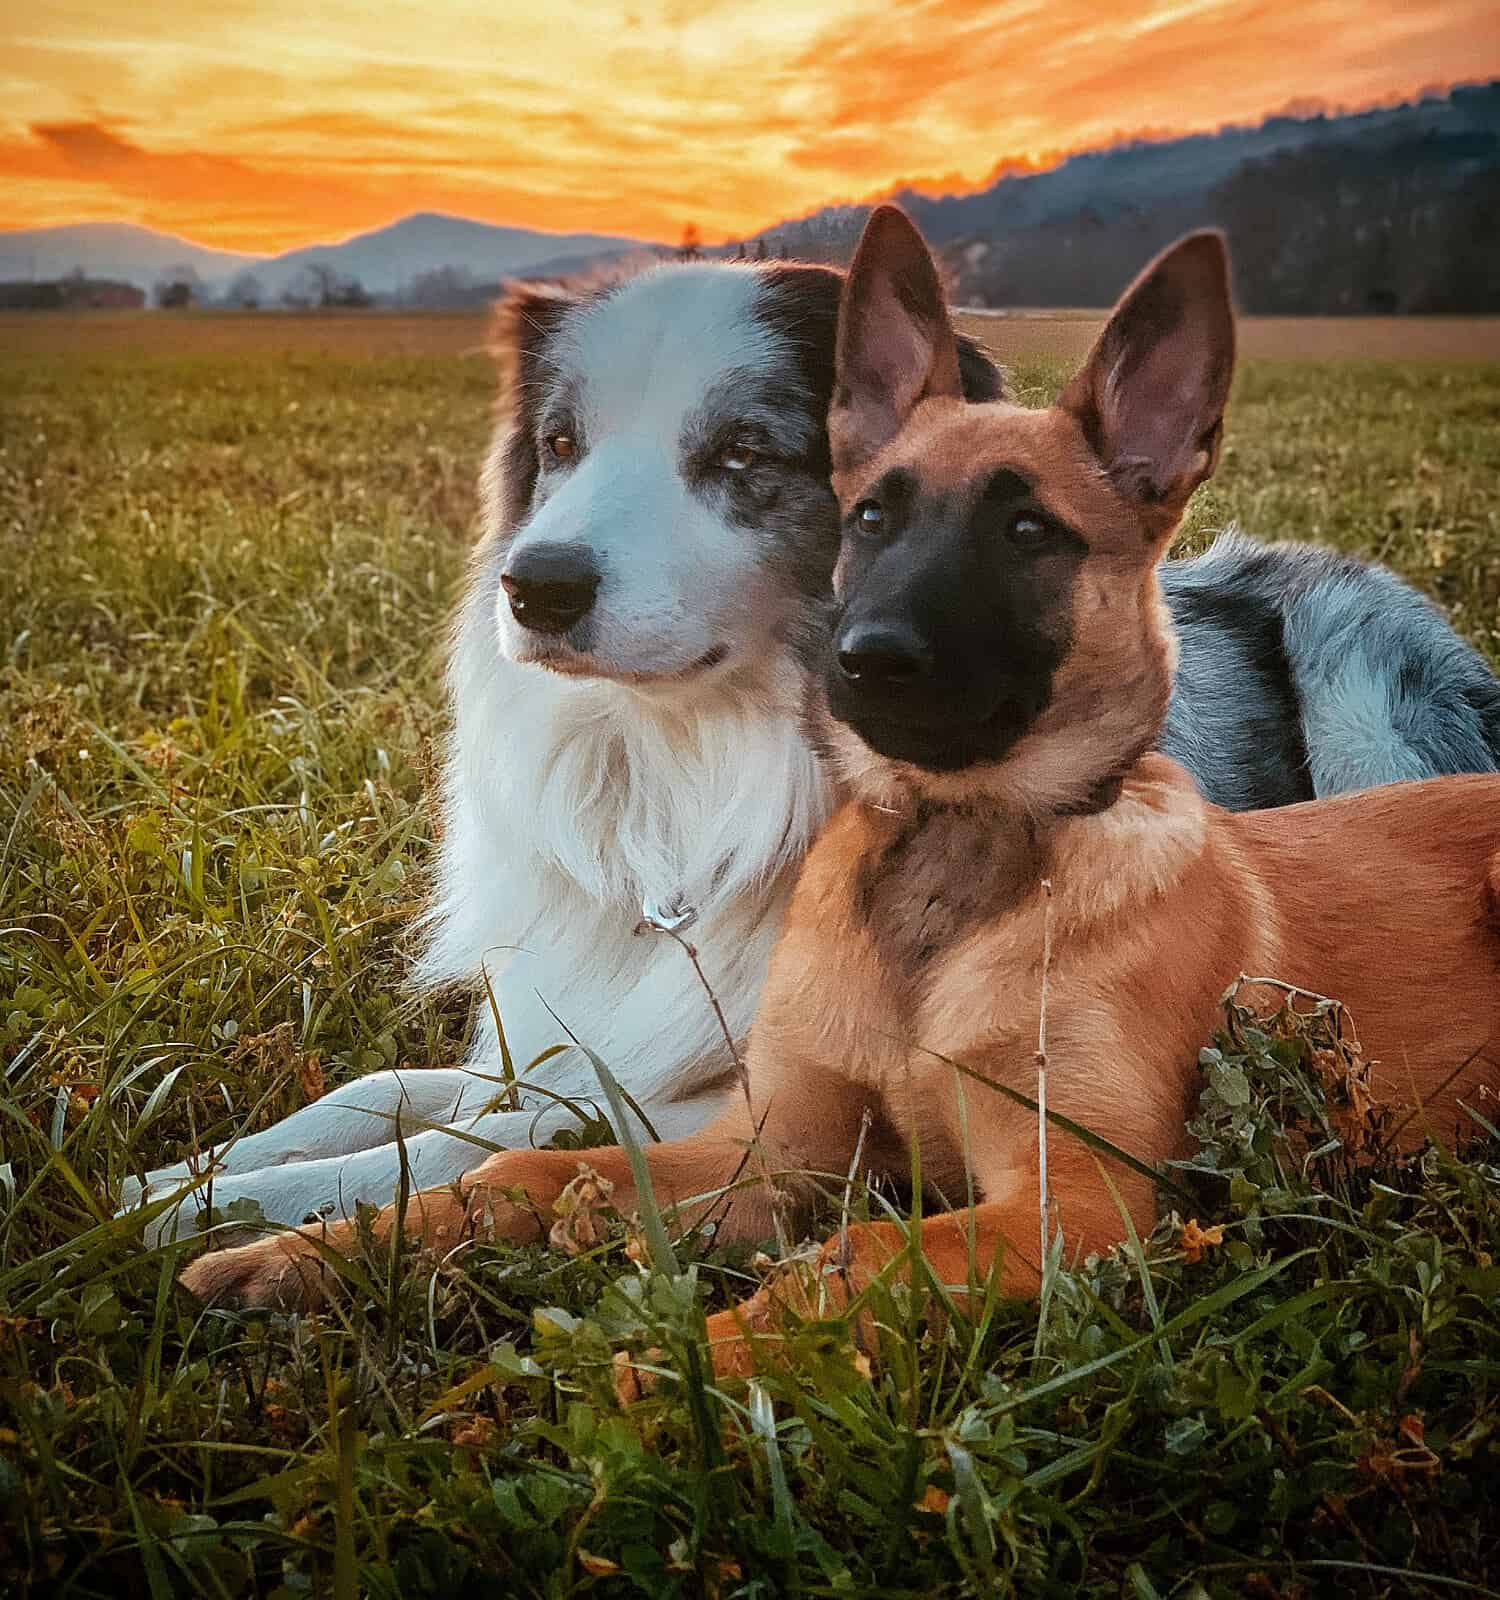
<point>562,446</point>
<point>1028,529</point>
<point>736,458</point>
<point>869,517</point>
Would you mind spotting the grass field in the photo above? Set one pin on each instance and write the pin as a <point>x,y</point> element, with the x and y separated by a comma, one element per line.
<point>229,548</point>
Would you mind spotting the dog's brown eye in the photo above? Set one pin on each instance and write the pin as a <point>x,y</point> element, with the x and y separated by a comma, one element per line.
<point>869,516</point>
<point>562,446</point>
<point>737,458</point>
<point>1028,529</point>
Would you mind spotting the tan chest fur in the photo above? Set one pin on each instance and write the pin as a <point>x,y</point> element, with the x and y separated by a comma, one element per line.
<point>915,940</point>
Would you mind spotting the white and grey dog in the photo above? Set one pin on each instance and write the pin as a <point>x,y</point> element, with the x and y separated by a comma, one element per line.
<point>626,683</point>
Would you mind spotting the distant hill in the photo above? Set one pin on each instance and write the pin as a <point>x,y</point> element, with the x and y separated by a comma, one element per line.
<point>116,250</point>
<point>1389,210</point>
<point>382,260</point>
<point>388,258</point>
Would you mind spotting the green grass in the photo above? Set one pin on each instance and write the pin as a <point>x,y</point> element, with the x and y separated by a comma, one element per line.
<point>227,572</point>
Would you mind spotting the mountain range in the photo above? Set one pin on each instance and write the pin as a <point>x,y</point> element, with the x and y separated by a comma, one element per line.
<point>383,260</point>
<point>1391,209</point>
<point>1138,175</point>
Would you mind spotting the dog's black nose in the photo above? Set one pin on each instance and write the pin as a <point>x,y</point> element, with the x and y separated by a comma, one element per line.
<point>550,587</point>
<point>881,656</point>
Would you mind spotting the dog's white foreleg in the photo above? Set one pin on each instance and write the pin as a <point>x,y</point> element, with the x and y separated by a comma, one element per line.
<point>356,1116</point>
<point>335,1185</point>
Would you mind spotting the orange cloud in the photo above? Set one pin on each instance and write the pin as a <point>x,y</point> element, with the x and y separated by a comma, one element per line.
<point>86,145</point>
<point>260,124</point>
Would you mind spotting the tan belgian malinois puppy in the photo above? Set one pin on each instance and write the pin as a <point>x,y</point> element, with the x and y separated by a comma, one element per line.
<point>993,685</point>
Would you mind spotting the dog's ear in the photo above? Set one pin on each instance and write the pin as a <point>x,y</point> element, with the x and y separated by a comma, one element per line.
<point>802,304</point>
<point>526,318</point>
<point>1151,397</point>
<point>895,344</point>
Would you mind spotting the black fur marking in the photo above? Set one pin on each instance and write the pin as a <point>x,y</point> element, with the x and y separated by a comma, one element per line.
<point>982,380</point>
<point>801,305</point>
<point>1101,797</point>
<point>1409,677</point>
<point>1248,627</point>
<point>787,499</point>
<point>533,320</point>
<point>1007,486</point>
<point>995,616</point>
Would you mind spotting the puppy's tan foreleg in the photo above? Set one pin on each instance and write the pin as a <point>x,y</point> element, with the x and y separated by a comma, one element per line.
<point>849,1263</point>
<point>959,1249</point>
<point>510,1196</point>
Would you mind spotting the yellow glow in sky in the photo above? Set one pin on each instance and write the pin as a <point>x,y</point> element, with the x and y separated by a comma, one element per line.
<point>262,124</point>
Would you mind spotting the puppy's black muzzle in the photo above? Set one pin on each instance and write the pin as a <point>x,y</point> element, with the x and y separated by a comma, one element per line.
<point>877,659</point>
<point>550,587</point>
<point>938,703</point>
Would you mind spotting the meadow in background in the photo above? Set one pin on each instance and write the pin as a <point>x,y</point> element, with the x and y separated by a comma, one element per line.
<point>230,547</point>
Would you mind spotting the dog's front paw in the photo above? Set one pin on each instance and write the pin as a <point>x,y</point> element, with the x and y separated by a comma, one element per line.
<point>730,1333</point>
<point>729,1348</point>
<point>285,1272</point>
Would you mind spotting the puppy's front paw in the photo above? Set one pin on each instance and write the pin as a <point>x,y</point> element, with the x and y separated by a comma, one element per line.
<point>730,1333</point>
<point>285,1272</point>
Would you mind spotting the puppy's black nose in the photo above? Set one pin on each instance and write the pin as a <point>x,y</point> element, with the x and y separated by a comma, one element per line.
<point>883,656</point>
<point>550,587</point>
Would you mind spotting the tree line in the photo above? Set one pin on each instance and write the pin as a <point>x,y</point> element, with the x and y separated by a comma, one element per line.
<point>1331,229</point>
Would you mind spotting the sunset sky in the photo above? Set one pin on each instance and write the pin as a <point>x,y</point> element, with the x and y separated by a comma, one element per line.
<point>263,124</point>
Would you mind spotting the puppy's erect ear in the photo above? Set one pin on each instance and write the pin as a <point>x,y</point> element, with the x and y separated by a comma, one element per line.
<point>895,342</point>
<point>1151,397</point>
<point>526,317</point>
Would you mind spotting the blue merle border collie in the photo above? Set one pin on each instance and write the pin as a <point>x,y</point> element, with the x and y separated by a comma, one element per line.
<point>628,753</point>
